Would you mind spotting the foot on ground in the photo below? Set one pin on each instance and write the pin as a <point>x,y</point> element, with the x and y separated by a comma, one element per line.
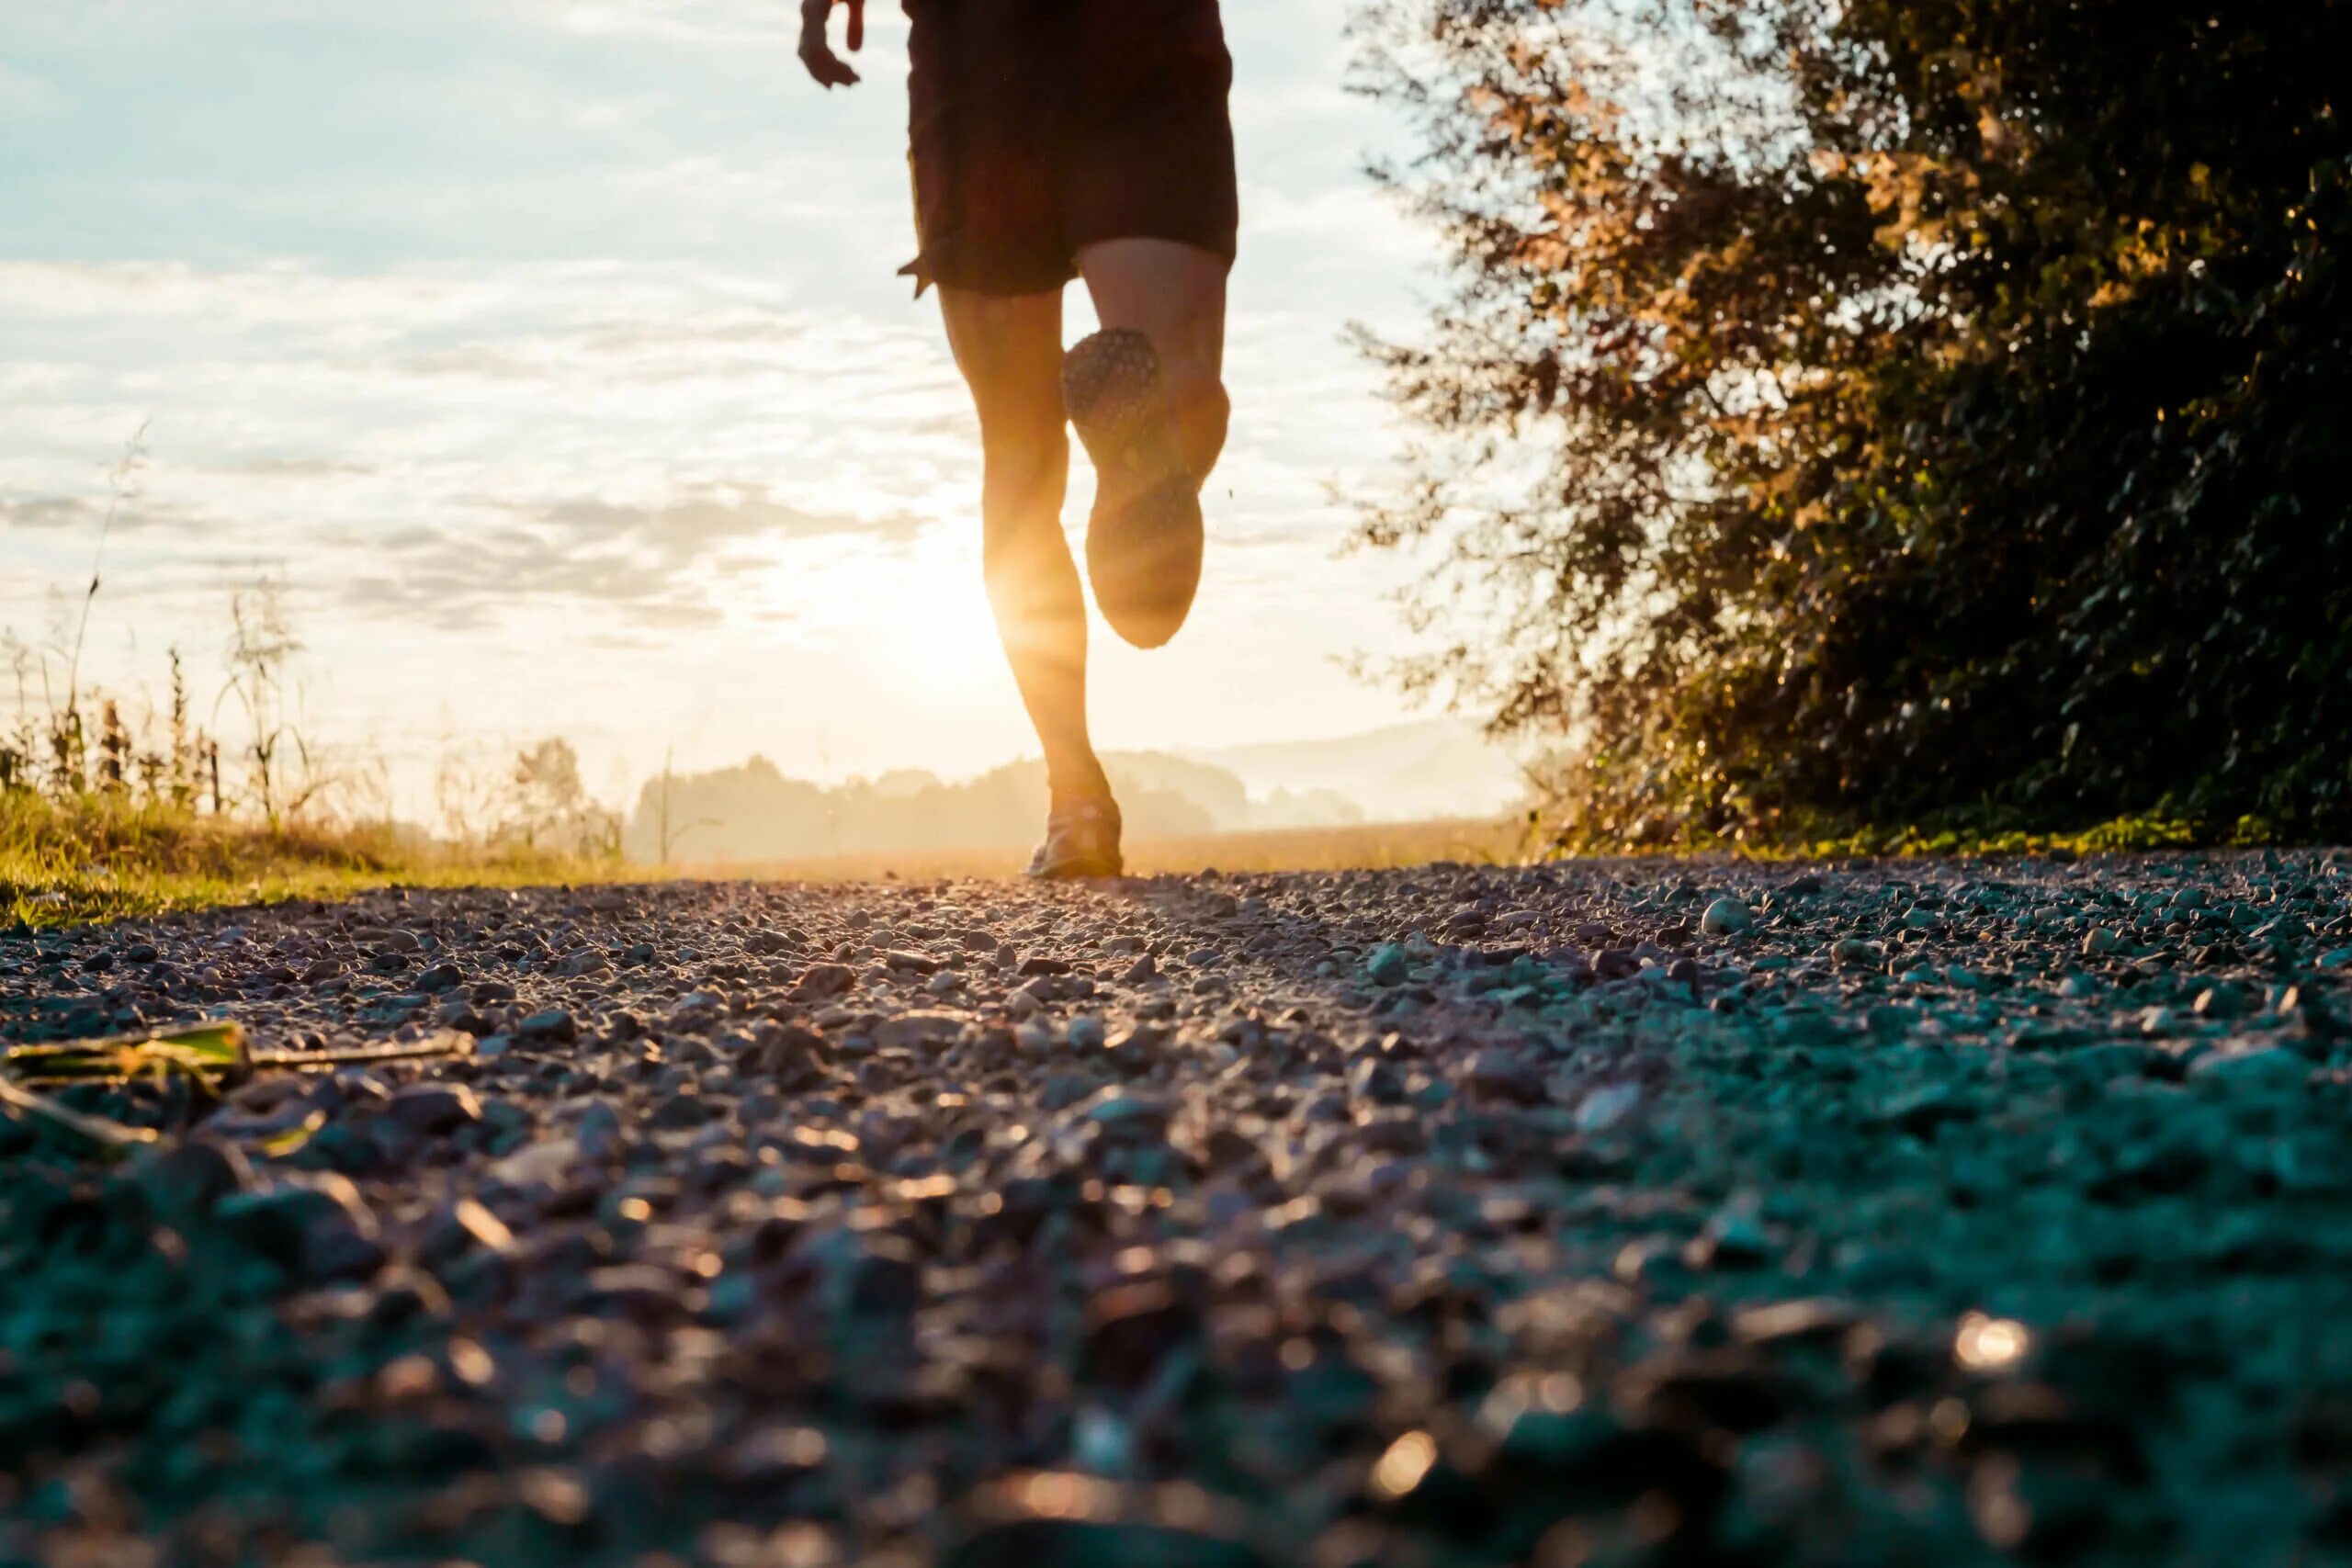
<point>1082,840</point>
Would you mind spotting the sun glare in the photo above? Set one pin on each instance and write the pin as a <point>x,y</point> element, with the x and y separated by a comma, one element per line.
<point>926,616</point>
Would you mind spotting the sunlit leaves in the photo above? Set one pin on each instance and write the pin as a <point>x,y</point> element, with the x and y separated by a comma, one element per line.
<point>1887,406</point>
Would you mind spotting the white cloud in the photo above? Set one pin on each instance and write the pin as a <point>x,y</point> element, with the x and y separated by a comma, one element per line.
<point>710,23</point>
<point>603,411</point>
<point>22,93</point>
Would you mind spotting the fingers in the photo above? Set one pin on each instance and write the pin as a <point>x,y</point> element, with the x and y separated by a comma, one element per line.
<point>828,68</point>
<point>856,24</point>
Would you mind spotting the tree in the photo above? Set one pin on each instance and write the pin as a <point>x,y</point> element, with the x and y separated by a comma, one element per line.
<point>1879,407</point>
<point>549,810</point>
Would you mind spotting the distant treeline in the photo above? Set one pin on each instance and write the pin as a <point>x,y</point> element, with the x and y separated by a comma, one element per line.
<point>755,812</point>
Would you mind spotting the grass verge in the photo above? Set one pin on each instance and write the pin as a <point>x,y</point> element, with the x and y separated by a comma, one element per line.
<point>98,860</point>
<point>1968,833</point>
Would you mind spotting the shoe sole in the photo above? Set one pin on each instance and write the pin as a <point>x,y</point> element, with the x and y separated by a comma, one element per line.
<point>1078,870</point>
<point>1144,559</point>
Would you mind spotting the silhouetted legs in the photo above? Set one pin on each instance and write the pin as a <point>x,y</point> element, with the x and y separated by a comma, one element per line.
<point>1009,350</point>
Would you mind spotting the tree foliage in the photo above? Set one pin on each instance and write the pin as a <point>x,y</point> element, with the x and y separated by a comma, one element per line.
<point>1879,407</point>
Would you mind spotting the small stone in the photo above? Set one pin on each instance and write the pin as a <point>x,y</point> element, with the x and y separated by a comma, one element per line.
<point>1086,1033</point>
<point>433,1108</point>
<point>1502,1074</point>
<point>912,1028</point>
<point>464,1226</point>
<point>1388,966</point>
<point>1727,917</point>
<point>678,1112</point>
<point>1376,1081</point>
<point>2223,1001</point>
<point>820,980</point>
<point>315,1224</point>
<point>542,1164</point>
<point>2264,1065</point>
<point>1923,1108</point>
<point>1065,1090</point>
<point>1133,1328</point>
<point>192,1177</point>
<point>1615,964</point>
<point>1605,1107</point>
<point>1034,1521</point>
<point>1814,1321</point>
<point>458,1015</point>
<point>1127,1113</point>
<point>553,1025</point>
<point>599,1131</point>
<point>1733,1239</point>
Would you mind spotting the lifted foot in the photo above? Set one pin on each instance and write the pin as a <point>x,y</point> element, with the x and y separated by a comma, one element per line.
<point>1143,544</point>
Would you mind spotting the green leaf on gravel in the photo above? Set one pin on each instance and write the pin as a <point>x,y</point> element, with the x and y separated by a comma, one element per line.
<point>215,1053</point>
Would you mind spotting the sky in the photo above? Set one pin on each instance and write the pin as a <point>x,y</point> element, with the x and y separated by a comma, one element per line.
<point>550,354</point>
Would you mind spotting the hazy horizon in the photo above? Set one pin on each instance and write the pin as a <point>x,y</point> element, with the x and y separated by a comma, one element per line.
<point>759,810</point>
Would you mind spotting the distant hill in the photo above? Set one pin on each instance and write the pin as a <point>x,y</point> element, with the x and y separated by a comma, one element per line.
<point>757,812</point>
<point>1405,772</point>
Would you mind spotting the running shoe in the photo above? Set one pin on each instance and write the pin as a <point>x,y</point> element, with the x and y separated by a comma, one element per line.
<point>1143,544</point>
<point>1082,840</point>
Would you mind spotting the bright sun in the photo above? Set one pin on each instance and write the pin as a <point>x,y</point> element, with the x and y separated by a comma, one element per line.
<point>926,615</point>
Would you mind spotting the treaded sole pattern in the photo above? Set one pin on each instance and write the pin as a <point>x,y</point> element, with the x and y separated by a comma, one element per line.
<point>1143,554</point>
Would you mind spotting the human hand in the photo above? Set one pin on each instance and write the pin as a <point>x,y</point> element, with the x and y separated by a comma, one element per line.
<point>817,53</point>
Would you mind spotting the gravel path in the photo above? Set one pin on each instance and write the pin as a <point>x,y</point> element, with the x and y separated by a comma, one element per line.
<point>1604,1214</point>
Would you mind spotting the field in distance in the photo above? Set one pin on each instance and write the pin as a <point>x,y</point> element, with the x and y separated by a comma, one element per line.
<point>1370,846</point>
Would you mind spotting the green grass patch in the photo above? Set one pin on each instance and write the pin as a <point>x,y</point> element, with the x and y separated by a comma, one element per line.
<point>95,859</point>
<point>1971,833</point>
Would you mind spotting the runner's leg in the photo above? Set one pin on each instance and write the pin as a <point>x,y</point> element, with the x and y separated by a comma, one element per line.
<point>1147,394</point>
<point>1009,350</point>
<point>1173,294</point>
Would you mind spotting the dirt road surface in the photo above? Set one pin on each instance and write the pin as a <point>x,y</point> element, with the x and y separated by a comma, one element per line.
<point>1597,1214</point>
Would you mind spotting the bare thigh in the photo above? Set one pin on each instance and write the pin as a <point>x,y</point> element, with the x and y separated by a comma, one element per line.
<point>1009,350</point>
<point>1173,294</point>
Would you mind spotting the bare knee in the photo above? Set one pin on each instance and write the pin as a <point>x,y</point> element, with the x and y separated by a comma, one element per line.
<point>1023,481</point>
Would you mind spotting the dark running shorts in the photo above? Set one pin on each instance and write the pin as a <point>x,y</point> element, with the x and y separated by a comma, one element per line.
<point>1042,127</point>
